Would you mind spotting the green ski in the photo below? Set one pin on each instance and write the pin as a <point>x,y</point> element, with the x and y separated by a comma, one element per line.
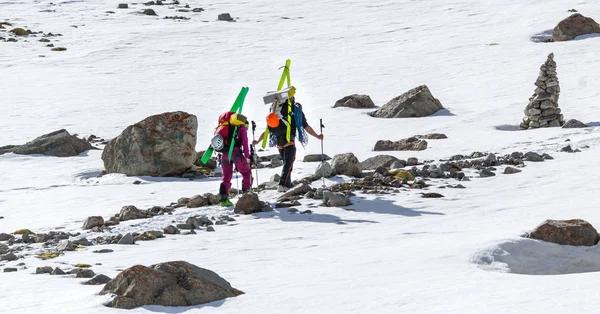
<point>237,107</point>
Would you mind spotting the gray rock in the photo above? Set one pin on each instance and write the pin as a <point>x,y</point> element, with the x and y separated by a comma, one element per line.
<point>411,143</point>
<point>126,239</point>
<point>123,6</point>
<point>275,163</point>
<point>185,226</point>
<point>210,229</point>
<point>101,251</point>
<point>225,17</point>
<point>316,158</point>
<point>375,162</point>
<point>511,170</point>
<point>3,249</point>
<point>192,221</point>
<point>197,201</point>
<point>6,237</point>
<point>149,12</point>
<point>275,178</point>
<point>99,279</point>
<point>8,257</point>
<point>432,136</point>
<point>417,102</point>
<point>332,199</point>
<point>573,26</point>
<point>85,273</point>
<point>212,199</point>
<point>130,213</point>
<point>486,173</point>
<point>160,145</point>
<point>248,204</point>
<point>10,269</point>
<point>176,283</point>
<point>205,221</point>
<point>323,170</point>
<point>572,123</point>
<point>534,157</point>
<point>93,221</point>
<point>346,164</point>
<point>57,272</point>
<point>297,190</point>
<point>43,270</point>
<point>59,143</point>
<point>65,245</point>
<point>171,230</point>
<point>412,161</point>
<point>355,101</point>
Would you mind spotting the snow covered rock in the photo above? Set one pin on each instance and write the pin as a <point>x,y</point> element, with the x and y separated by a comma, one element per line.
<point>572,124</point>
<point>417,102</point>
<point>355,101</point>
<point>332,199</point>
<point>93,221</point>
<point>573,26</point>
<point>160,145</point>
<point>542,110</point>
<point>59,143</point>
<point>323,170</point>
<point>375,162</point>
<point>411,143</point>
<point>176,283</point>
<point>248,204</point>
<point>346,164</point>
<point>574,232</point>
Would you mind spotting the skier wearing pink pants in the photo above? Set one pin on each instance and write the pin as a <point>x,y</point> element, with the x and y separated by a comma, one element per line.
<point>239,159</point>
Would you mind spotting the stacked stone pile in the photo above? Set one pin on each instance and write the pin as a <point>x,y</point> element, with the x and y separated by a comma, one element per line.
<point>542,110</point>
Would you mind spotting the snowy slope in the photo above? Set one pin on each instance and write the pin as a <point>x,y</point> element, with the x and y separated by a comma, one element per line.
<point>400,254</point>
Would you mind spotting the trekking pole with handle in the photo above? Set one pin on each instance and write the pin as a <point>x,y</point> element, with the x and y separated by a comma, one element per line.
<point>322,155</point>
<point>253,151</point>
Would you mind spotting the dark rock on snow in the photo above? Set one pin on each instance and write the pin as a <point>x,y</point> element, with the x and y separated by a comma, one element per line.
<point>411,143</point>
<point>573,26</point>
<point>59,143</point>
<point>175,283</point>
<point>417,102</point>
<point>574,232</point>
<point>355,101</point>
<point>160,145</point>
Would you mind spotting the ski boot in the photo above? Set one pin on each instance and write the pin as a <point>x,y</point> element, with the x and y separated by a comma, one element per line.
<point>225,202</point>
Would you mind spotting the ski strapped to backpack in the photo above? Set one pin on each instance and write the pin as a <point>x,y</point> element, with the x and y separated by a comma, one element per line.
<point>285,76</point>
<point>235,112</point>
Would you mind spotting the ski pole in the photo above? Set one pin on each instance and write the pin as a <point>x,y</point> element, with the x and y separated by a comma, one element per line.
<point>322,155</point>
<point>253,151</point>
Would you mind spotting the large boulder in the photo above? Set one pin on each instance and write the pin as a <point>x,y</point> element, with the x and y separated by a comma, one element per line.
<point>375,162</point>
<point>175,283</point>
<point>417,102</point>
<point>59,143</point>
<point>411,143</point>
<point>160,145</point>
<point>346,164</point>
<point>355,101</point>
<point>573,26</point>
<point>574,232</point>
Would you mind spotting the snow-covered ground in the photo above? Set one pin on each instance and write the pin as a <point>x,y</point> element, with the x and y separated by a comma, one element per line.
<point>388,254</point>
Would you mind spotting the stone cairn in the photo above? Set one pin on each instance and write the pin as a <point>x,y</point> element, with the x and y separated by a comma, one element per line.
<point>542,110</point>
